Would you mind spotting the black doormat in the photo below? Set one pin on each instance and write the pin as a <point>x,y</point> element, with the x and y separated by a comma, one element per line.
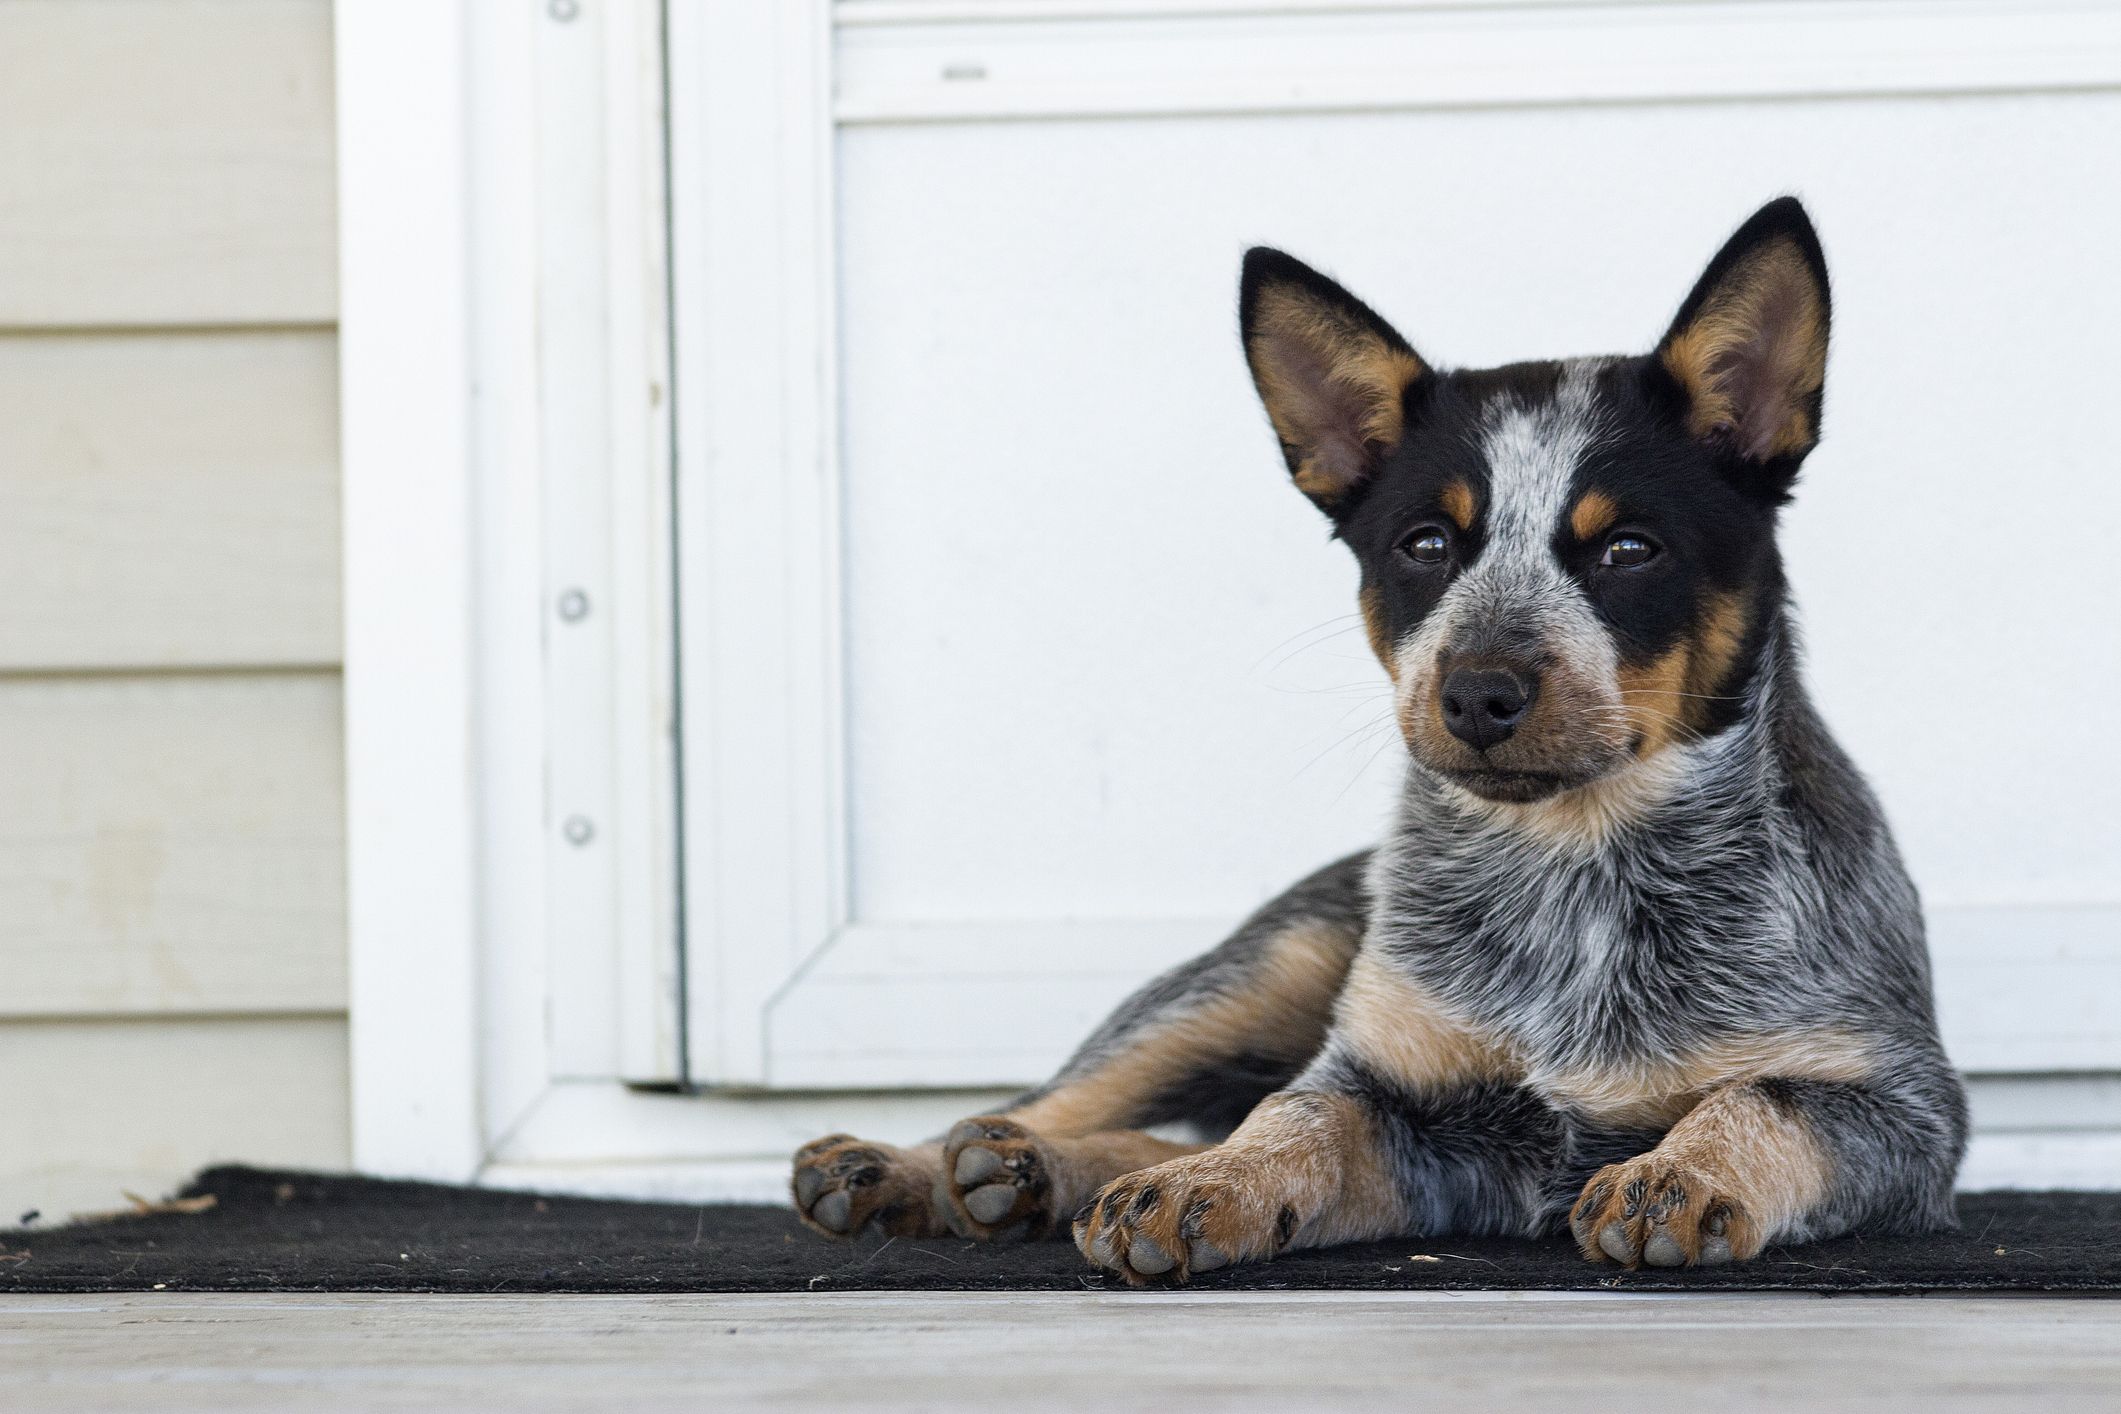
<point>267,1231</point>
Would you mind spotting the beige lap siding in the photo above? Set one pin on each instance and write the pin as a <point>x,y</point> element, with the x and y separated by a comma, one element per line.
<point>172,895</point>
<point>171,844</point>
<point>169,500</point>
<point>166,163</point>
<point>92,1109</point>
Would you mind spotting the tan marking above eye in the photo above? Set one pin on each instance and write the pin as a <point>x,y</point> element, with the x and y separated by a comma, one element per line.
<point>1594,511</point>
<point>1458,504</point>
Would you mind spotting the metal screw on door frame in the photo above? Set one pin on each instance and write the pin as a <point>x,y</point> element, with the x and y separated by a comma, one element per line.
<point>578,831</point>
<point>573,605</point>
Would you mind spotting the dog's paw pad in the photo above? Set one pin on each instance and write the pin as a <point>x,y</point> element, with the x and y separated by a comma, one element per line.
<point>993,1203</point>
<point>1659,1213</point>
<point>1000,1186</point>
<point>842,1185</point>
<point>1162,1225</point>
<point>1147,1256</point>
<point>975,1165</point>
<point>832,1211</point>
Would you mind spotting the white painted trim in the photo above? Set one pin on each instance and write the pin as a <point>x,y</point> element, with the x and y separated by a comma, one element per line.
<point>602,334</point>
<point>850,14</point>
<point>2035,1161</point>
<point>2022,989</point>
<point>956,62</point>
<point>516,983</point>
<point>994,1003</point>
<point>643,616</point>
<point>2047,1159</point>
<point>758,517</point>
<point>406,438</point>
<point>728,1149</point>
<point>504,416</point>
<point>2029,989</point>
<point>591,1138</point>
<point>2062,1159</point>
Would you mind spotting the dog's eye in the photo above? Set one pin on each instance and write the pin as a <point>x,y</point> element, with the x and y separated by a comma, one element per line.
<point>1627,549</point>
<point>1426,546</point>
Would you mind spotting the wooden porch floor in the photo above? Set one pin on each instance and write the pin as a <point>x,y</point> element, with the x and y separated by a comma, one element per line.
<point>1110,1351</point>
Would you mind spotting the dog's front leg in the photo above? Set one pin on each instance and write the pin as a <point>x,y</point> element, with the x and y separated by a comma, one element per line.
<point>1305,1169</point>
<point>1200,1044</point>
<point>1406,1121</point>
<point>1781,1159</point>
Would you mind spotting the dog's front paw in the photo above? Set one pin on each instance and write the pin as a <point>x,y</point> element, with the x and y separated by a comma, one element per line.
<point>842,1184</point>
<point>998,1180</point>
<point>1163,1224</point>
<point>1661,1213</point>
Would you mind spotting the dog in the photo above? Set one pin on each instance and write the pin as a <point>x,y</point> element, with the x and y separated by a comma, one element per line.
<point>1637,959</point>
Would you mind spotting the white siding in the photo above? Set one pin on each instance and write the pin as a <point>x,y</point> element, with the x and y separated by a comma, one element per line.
<point>95,1108</point>
<point>167,162</point>
<point>172,912</point>
<point>172,845</point>
<point>168,500</point>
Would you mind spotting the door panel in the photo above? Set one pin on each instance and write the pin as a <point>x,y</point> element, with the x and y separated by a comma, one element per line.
<point>1093,681</point>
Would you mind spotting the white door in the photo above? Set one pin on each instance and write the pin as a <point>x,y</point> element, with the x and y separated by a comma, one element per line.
<point>1012,669</point>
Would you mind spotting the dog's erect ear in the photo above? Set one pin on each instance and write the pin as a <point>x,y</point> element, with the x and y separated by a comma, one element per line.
<point>1333,375</point>
<point>1749,345</point>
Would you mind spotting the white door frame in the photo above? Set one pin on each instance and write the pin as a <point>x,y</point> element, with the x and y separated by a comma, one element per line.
<point>510,701</point>
<point>512,765</point>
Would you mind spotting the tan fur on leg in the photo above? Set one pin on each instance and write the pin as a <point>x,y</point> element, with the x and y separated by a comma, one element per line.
<point>1041,1160</point>
<point>1398,1030</point>
<point>1304,1170</point>
<point>1281,1011</point>
<point>1734,1174</point>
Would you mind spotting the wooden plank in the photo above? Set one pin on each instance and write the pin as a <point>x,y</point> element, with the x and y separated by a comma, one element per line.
<point>141,1105</point>
<point>171,844</point>
<point>166,162</point>
<point>169,500</point>
<point>1175,1350</point>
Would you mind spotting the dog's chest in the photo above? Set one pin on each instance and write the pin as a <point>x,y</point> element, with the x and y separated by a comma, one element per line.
<point>1653,947</point>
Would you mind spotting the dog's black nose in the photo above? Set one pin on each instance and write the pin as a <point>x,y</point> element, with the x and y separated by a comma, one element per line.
<point>1482,706</point>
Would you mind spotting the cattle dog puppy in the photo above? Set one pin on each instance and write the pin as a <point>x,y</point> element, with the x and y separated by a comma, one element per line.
<point>1637,958</point>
